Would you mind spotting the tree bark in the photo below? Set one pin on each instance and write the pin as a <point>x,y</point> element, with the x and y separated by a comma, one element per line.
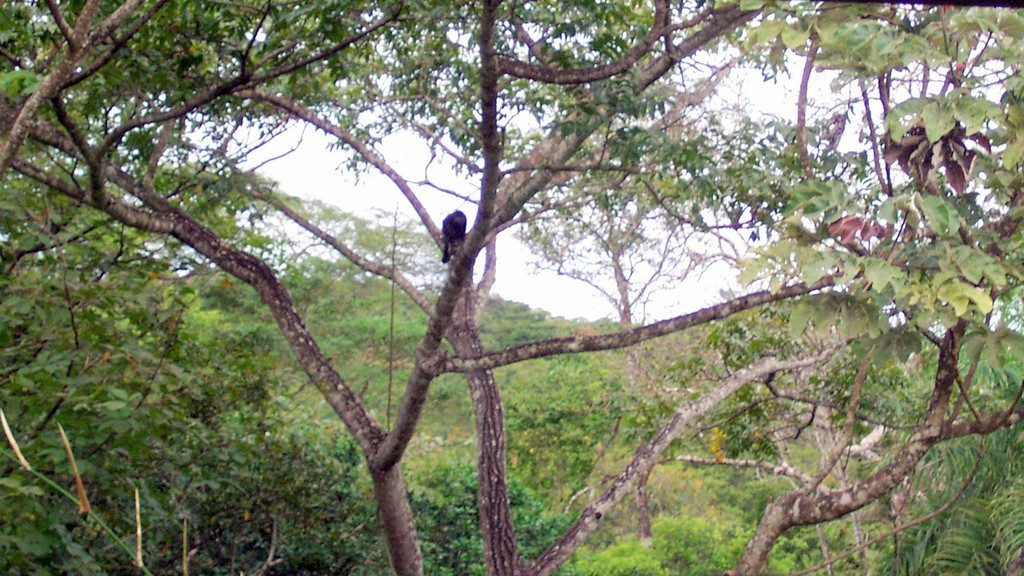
<point>396,518</point>
<point>806,507</point>
<point>501,553</point>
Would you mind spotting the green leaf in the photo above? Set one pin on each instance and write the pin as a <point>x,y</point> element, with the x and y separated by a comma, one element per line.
<point>751,4</point>
<point>938,120</point>
<point>887,211</point>
<point>13,485</point>
<point>973,112</point>
<point>977,266</point>
<point>974,343</point>
<point>794,38</point>
<point>993,348</point>
<point>767,31</point>
<point>895,121</point>
<point>881,274</point>
<point>19,83</point>
<point>1012,154</point>
<point>972,268</point>
<point>960,296</point>
<point>942,216</point>
<point>800,318</point>
<point>826,30</point>
<point>112,405</point>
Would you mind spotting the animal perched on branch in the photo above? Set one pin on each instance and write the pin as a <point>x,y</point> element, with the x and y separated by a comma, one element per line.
<point>453,228</point>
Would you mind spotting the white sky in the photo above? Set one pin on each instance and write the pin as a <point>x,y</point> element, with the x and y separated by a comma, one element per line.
<point>313,170</point>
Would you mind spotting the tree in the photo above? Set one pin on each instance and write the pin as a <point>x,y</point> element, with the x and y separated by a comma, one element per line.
<point>886,223</point>
<point>138,113</point>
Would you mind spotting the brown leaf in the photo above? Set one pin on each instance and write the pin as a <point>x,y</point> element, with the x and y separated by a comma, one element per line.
<point>850,228</point>
<point>982,141</point>
<point>956,177</point>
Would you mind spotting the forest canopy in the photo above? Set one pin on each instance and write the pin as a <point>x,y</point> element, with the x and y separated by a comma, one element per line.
<point>200,373</point>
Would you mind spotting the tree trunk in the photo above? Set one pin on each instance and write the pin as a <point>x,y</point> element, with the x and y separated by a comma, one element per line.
<point>634,373</point>
<point>396,518</point>
<point>501,553</point>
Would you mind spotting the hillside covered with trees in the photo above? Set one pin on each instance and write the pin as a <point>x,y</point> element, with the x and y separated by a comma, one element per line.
<point>804,218</point>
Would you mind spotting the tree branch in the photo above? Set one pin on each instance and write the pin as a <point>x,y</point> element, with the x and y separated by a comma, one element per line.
<point>371,156</point>
<point>647,456</point>
<point>803,507</point>
<point>550,75</point>
<point>69,36</point>
<point>851,417</point>
<point>782,469</point>
<point>868,543</point>
<point>625,338</point>
<point>530,178</point>
<point>384,271</point>
<point>79,45</point>
<point>801,110</point>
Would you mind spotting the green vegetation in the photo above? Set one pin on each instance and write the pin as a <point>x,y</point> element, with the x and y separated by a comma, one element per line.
<point>202,374</point>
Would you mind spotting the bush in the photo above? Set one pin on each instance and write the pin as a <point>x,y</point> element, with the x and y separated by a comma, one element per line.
<point>695,546</point>
<point>627,558</point>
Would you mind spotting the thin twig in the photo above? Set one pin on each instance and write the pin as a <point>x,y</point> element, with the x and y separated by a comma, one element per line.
<point>801,110</point>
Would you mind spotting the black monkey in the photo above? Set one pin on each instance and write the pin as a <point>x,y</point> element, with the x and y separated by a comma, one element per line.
<point>453,228</point>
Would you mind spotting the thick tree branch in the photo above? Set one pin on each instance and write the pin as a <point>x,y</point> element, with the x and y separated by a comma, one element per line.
<point>626,338</point>
<point>900,528</point>
<point>69,36</point>
<point>163,218</point>
<point>80,42</point>
<point>114,45</point>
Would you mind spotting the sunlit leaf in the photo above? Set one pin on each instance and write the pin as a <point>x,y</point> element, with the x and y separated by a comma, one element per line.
<point>938,120</point>
<point>942,217</point>
<point>794,38</point>
<point>960,296</point>
<point>1012,154</point>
